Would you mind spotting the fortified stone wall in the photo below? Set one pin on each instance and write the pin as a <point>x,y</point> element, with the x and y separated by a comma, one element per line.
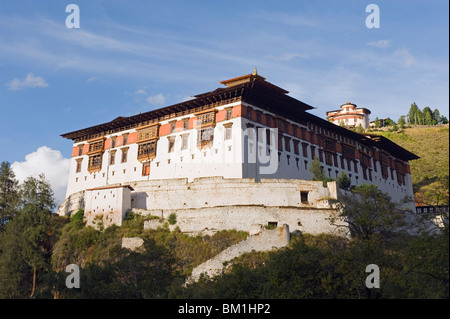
<point>213,204</point>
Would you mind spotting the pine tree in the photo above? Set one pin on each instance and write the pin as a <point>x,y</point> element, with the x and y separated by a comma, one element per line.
<point>317,170</point>
<point>343,181</point>
<point>401,121</point>
<point>9,194</point>
<point>436,116</point>
<point>26,244</point>
<point>427,116</point>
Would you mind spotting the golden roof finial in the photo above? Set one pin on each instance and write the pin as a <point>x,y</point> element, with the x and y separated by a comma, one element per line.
<point>255,72</point>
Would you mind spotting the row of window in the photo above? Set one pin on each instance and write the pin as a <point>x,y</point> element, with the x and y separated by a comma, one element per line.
<point>147,150</point>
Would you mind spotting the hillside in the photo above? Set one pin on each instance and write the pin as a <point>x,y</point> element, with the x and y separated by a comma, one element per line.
<point>430,172</point>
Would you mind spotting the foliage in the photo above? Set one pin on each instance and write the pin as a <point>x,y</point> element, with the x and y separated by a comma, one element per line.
<point>27,242</point>
<point>9,194</point>
<point>368,211</point>
<point>343,181</point>
<point>429,172</point>
<point>172,219</point>
<point>318,173</point>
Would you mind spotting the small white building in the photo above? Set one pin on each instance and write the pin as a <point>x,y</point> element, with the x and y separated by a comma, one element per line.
<point>350,115</point>
<point>107,205</point>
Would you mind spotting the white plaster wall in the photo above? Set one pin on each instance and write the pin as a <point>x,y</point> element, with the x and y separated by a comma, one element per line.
<point>222,159</point>
<point>108,205</point>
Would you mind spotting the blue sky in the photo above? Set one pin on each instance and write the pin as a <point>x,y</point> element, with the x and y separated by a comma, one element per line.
<point>135,56</point>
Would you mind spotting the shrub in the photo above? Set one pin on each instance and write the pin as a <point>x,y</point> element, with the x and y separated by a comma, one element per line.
<point>172,219</point>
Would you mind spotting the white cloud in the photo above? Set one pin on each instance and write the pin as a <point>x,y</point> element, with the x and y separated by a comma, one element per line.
<point>157,99</point>
<point>91,79</point>
<point>380,44</point>
<point>49,162</point>
<point>30,81</point>
<point>405,57</point>
<point>140,92</point>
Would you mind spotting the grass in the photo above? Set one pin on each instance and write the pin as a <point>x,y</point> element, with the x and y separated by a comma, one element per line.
<point>431,143</point>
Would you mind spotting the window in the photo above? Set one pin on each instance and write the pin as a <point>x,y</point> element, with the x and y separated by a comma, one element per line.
<point>348,151</point>
<point>184,141</point>
<point>113,141</point>
<point>173,126</point>
<point>205,137</point>
<point>147,150</point>
<point>79,165</point>
<point>229,114</point>
<point>287,144</point>
<point>205,118</point>
<point>185,124</point>
<point>145,168</point>
<point>305,149</point>
<point>125,139</point>
<point>296,150</point>
<point>96,146</point>
<point>313,152</point>
<point>124,154</point>
<point>329,158</point>
<point>147,133</point>
<point>95,163</point>
<point>171,143</point>
<point>329,145</point>
<point>112,157</point>
<point>80,150</point>
<point>228,132</point>
<point>304,197</point>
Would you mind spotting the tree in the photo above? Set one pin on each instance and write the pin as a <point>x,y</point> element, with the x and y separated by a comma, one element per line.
<point>317,170</point>
<point>443,120</point>
<point>436,116</point>
<point>412,114</point>
<point>388,122</point>
<point>427,116</point>
<point>377,122</point>
<point>359,129</point>
<point>26,242</point>
<point>9,194</point>
<point>343,181</point>
<point>401,122</point>
<point>368,211</point>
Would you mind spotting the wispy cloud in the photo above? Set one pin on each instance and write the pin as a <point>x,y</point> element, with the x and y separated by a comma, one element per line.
<point>406,58</point>
<point>158,99</point>
<point>30,81</point>
<point>380,44</point>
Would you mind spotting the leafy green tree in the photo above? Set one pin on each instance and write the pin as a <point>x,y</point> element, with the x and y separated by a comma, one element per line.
<point>27,242</point>
<point>388,122</point>
<point>343,181</point>
<point>443,120</point>
<point>436,116</point>
<point>9,194</point>
<point>401,122</point>
<point>377,122</point>
<point>317,170</point>
<point>368,211</point>
<point>412,114</point>
<point>427,116</point>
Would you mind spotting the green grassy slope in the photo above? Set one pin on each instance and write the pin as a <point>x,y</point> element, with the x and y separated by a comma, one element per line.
<point>431,143</point>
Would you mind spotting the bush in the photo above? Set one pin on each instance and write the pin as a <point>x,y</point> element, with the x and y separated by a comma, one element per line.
<point>172,219</point>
